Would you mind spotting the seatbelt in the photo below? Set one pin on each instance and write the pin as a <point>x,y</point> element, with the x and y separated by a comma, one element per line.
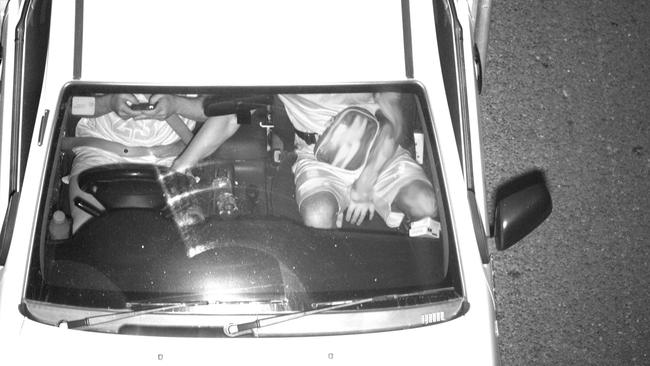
<point>160,151</point>
<point>181,129</point>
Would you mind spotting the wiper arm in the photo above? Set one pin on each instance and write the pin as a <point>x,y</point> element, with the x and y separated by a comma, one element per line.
<point>234,330</point>
<point>144,308</point>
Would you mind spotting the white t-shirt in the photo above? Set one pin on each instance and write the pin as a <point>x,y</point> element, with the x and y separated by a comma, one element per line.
<point>131,132</point>
<point>312,113</point>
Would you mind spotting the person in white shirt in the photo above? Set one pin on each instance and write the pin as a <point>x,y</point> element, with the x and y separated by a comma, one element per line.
<point>122,134</point>
<point>355,166</point>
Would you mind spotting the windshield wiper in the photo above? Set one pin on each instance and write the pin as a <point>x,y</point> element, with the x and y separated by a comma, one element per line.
<point>234,329</point>
<point>138,309</point>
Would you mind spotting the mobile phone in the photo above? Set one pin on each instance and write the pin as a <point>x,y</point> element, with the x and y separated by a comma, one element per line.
<point>142,107</point>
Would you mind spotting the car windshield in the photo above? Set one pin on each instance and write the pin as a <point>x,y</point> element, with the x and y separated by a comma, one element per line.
<point>298,198</point>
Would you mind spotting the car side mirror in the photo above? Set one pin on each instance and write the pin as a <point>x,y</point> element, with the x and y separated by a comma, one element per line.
<point>524,205</point>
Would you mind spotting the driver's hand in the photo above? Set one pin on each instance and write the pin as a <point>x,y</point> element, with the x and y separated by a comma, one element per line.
<point>121,104</point>
<point>165,106</point>
<point>361,203</point>
<point>180,194</point>
<point>180,167</point>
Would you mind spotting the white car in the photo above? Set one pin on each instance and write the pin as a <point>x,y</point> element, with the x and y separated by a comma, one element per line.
<point>249,283</point>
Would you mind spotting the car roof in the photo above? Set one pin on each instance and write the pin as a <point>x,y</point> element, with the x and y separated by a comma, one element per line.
<point>245,42</point>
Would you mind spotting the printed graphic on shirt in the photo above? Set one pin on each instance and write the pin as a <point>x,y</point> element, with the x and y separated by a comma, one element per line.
<point>131,132</point>
<point>349,139</point>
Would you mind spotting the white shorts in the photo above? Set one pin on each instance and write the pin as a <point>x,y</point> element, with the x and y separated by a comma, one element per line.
<point>312,176</point>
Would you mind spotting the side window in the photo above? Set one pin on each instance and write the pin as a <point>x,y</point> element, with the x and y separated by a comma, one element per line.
<point>450,36</point>
<point>31,41</point>
<point>3,39</point>
<point>6,188</point>
<point>37,34</point>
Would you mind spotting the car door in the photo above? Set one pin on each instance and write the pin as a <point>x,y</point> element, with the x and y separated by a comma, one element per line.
<point>7,180</point>
<point>461,76</point>
<point>453,28</point>
<point>25,36</point>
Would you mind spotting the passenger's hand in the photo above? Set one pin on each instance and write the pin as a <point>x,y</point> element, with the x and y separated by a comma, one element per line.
<point>361,203</point>
<point>120,104</point>
<point>165,106</point>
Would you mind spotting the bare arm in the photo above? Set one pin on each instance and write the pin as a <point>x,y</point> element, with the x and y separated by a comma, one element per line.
<point>390,134</point>
<point>118,103</point>
<point>168,104</point>
<point>207,140</point>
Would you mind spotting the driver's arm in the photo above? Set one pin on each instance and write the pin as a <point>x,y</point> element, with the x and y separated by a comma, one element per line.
<point>118,103</point>
<point>165,106</point>
<point>168,104</point>
<point>207,140</point>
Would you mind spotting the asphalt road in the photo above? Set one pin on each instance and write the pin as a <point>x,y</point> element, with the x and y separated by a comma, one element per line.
<point>567,91</point>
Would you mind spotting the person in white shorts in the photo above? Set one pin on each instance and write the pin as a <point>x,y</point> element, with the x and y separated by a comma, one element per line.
<point>145,135</point>
<point>347,178</point>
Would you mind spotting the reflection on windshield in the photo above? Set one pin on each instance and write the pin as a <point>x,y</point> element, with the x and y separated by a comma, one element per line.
<point>245,196</point>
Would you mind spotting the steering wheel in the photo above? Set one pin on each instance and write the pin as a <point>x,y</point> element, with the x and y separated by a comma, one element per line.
<point>118,186</point>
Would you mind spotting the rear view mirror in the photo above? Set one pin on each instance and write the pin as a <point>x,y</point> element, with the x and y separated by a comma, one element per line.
<point>524,205</point>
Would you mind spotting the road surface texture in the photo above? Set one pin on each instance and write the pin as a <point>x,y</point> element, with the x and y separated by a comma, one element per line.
<point>567,90</point>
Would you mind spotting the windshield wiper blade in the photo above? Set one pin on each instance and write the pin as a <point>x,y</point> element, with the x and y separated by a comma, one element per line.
<point>234,329</point>
<point>143,308</point>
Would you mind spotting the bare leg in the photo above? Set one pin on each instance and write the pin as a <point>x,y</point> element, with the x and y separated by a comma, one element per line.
<point>319,210</point>
<point>417,200</point>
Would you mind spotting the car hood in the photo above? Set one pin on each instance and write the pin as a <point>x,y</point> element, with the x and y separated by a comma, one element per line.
<point>465,340</point>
